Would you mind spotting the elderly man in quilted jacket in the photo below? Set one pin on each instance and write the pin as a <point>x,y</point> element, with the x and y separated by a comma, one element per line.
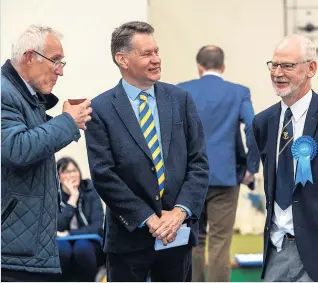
<point>29,139</point>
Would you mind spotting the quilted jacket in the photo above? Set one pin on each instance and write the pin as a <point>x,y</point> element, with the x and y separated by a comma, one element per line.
<point>29,186</point>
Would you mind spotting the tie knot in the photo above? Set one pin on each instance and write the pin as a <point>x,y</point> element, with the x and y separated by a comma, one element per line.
<point>143,96</point>
<point>288,113</point>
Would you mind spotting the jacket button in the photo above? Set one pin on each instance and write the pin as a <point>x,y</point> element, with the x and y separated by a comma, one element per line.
<point>153,169</point>
<point>157,198</point>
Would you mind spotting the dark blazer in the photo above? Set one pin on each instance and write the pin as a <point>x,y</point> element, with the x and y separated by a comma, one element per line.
<point>122,168</point>
<point>222,106</point>
<point>305,199</point>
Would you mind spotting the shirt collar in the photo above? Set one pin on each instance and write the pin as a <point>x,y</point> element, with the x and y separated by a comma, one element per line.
<point>31,90</point>
<point>206,73</point>
<point>133,91</point>
<point>299,107</point>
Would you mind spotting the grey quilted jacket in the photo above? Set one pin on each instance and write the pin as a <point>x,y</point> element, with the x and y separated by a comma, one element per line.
<point>29,187</point>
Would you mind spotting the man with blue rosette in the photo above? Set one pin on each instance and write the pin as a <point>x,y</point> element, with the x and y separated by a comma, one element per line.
<point>287,135</point>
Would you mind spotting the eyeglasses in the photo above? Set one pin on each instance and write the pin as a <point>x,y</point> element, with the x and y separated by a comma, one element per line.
<point>70,171</point>
<point>285,66</point>
<point>57,63</point>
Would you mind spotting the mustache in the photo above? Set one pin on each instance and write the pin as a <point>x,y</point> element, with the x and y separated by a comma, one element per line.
<point>281,80</point>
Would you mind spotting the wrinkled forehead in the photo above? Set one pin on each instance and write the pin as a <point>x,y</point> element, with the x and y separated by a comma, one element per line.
<point>143,42</point>
<point>53,46</point>
<point>288,51</point>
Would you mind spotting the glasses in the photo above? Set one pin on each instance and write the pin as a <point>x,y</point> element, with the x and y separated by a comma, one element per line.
<point>70,171</point>
<point>57,63</point>
<point>285,66</point>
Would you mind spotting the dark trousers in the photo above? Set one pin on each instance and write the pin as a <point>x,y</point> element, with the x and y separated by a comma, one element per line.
<point>169,265</point>
<point>23,276</point>
<point>79,259</point>
<point>219,213</point>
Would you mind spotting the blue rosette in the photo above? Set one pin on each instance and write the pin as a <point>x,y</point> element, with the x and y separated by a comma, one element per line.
<point>304,149</point>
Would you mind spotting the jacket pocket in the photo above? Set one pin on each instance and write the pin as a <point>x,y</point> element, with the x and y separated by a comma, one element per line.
<point>20,226</point>
<point>5,213</point>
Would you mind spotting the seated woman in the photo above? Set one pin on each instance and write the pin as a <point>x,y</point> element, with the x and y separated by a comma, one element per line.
<point>82,213</point>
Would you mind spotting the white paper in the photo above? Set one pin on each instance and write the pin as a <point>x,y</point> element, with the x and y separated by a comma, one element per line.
<point>182,238</point>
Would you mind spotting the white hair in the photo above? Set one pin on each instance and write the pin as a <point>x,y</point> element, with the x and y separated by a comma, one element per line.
<point>308,48</point>
<point>33,38</point>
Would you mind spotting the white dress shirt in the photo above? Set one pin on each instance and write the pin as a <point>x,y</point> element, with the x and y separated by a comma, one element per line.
<point>283,219</point>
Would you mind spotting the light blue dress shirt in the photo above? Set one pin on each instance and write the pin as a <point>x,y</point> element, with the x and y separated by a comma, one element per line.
<point>133,93</point>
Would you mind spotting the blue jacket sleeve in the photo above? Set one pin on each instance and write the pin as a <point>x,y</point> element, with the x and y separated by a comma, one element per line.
<point>22,146</point>
<point>247,116</point>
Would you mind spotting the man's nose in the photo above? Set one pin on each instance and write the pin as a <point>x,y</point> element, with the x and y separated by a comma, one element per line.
<point>59,70</point>
<point>278,72</point>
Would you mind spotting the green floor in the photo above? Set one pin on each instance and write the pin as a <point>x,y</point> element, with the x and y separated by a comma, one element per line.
<point>241,245</point>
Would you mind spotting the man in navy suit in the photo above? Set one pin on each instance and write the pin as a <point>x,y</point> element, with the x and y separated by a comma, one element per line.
<point>291,229</point>
<point>222,106</point>
<point>148,162</point>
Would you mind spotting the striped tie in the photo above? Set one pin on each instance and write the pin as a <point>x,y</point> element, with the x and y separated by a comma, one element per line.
<point>285,167</point>
<point>148,129</point>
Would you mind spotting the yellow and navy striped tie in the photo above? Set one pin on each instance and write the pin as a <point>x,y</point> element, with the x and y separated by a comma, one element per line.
<point>148,129</point>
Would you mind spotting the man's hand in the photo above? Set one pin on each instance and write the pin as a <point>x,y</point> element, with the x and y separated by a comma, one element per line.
<point>80,113</point>
<point>153,224</point>
<point>248,178</point>
<point>62,234</point>
<point>169,224</point>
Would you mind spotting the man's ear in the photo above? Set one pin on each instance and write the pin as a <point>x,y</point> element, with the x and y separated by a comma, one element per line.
<point>121,60</point>
<point>29,58</point>
<point>312,69</point>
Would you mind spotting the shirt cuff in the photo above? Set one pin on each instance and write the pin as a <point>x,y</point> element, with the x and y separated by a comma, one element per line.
<point>143,223</point>
<point>189,212</point>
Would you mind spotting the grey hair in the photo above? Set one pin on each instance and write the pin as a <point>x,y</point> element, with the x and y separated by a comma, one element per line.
<point>308,48</point>
<point>121,36</point>
<point>33,38</point>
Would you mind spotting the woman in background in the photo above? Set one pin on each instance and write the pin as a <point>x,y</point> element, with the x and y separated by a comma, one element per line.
<point>82,213</point>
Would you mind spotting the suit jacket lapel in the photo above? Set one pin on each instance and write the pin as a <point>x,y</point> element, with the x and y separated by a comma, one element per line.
<point>272,128</point>
<point>312,118</point>
<point>165,117</point>
<point>125,111</point>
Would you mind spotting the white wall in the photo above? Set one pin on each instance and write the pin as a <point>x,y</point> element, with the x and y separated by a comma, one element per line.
<point>247,31</point>
<point>87,28</point>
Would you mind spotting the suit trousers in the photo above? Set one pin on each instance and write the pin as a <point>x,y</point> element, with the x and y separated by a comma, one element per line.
<point>285,265</point>
<point>218,216</point>
<point>168,265</point>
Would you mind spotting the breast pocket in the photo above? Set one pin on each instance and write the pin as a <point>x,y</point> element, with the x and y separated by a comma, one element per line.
<point>20,225</point>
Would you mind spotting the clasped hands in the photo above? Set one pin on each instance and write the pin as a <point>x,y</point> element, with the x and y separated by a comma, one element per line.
<point>165,228</point>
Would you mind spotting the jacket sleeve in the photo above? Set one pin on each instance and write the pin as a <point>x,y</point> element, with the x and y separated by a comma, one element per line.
<point>246,116</point>
<point>194,188</point>
<point>22,146</point>
<point>65,217</point>
<point>120,199</point>
<point>95,225</point>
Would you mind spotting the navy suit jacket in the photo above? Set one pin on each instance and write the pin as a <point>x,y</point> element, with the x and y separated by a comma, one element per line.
<point>122,168</point>
<point>305,199</point>
<point>222,106</point>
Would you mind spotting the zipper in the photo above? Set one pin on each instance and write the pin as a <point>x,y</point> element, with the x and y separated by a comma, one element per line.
<point>9,209</point>
<point>81,213</point>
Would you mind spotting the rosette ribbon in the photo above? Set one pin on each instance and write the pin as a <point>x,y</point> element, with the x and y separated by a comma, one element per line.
<point>304,149</point>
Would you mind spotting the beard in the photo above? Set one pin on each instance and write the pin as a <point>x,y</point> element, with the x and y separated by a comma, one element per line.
<point>290,91</point>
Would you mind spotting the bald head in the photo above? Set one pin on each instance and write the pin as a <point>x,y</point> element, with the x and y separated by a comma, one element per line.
<point>211,57</point>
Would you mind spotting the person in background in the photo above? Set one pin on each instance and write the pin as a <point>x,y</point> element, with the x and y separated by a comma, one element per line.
<point>29,140</point>
<point>82,213</point>
<point>291,229</point>
<point>222,107</point>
